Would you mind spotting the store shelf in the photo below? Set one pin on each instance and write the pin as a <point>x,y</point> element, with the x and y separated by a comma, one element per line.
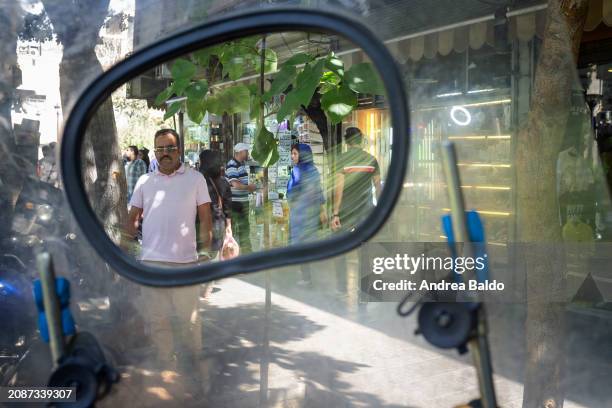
<point>480,138</point>
<point>442,185</point>
<point>495,165</point>
<point>449,104</point>
<point>501,244</point>
<point>444,209</point>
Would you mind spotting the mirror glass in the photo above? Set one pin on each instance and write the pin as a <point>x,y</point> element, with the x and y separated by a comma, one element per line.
<point>257,143</point>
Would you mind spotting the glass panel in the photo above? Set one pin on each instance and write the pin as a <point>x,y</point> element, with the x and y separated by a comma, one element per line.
<point>266,340</point>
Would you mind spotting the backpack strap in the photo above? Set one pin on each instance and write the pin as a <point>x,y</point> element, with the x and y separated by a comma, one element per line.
<point>220,201</point>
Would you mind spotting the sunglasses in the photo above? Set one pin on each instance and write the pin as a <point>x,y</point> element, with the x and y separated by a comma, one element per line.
<point>165,149</point>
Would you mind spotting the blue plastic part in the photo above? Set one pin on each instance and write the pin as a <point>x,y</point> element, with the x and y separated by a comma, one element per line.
<point>62,288</point>
<point>476,234</point>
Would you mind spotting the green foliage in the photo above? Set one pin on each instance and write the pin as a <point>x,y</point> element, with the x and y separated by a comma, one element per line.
<point>180,85</point>
<point>282,80</point>
<point>202,57</point>
<point>265,148</point>
<point>173,109</point>
<point>329,81</point>
<point>235,99</point>
<point>363,78</point>
<point>136,123</point>
<point>307,82</point>
<point>196,109</point>
<point>183,69</point>
<point>234,62</point>
<point>335,65</point>
<point>270,62</point>
<point>164,95</point>
<point>197,90</point>
<point>338,103</point>
<point>36,27</point>
<point>303,73</point>
<point>299,59</point>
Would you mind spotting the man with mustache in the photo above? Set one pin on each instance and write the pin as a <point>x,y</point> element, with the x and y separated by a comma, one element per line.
<point>169,199</point>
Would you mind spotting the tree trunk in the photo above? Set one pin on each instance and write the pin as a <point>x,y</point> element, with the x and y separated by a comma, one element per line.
<point>11,172</point>
<point>102,165</point>
<point>539,232</point>
<point>317,115</point>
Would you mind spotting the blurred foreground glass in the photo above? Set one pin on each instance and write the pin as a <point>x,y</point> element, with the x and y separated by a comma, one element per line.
<point>236,148</point>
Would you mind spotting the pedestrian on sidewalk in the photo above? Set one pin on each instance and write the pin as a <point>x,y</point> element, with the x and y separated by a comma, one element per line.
<point>238,178</point>
<point>356,172</point>
<point>220,199</point>
<point>306,200</point>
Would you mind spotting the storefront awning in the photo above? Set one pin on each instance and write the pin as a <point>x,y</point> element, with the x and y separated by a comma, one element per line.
<point>600,11</point>
<point>474,34</point>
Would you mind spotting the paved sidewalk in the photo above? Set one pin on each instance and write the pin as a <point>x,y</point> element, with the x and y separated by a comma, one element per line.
<point>309,348</point>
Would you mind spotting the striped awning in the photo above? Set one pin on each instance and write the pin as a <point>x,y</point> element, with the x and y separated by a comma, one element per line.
<point>523,26</point>
<point>474,36</point>
<point>600,11</point>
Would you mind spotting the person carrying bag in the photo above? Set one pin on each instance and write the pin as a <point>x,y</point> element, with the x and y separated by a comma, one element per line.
<point>223,243</point>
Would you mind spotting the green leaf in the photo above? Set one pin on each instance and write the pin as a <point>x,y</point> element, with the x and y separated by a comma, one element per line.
<point>164,95</point>
<point>272,157</point>
<point>183,69</point>
<point>335,65</point>
<point>308,81</point>
<point>270,62</point>
<point>253,88</point>
<point>234,62</point>
<point>298,59</point>
<point>236,99</point>
<point>234,69</point>
<point>248,43</point>
<point>338,103</point>
<point>290,105</point>
<point>203,56</point>
<point>265,148</point>
<point>196,110</point>
<point>364,78</point>
<point>255,107</point>
<point>172,109</point>
<point>281,81</point>
<point>329,81</point>
<point>197,90</point>
<point>306,85</point>
<point>180,85</point>
<point>213,105</point>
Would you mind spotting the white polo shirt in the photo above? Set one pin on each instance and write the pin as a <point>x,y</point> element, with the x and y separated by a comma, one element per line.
<point>169,204</point>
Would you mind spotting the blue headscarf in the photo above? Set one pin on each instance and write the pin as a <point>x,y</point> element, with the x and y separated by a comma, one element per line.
<point>304,170</point>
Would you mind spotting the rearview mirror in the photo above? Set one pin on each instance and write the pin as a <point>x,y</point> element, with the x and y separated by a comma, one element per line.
<point>261,140</point>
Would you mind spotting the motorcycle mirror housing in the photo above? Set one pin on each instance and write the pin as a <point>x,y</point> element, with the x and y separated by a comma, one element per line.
<point>229,28</point>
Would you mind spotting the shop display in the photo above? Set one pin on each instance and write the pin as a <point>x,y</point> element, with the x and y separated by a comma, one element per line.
<point>483,138</point>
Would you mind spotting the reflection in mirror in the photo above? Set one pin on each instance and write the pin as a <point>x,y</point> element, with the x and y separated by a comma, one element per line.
<point>258,143</point>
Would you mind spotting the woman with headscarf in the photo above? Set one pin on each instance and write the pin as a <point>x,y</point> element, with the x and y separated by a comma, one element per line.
<point>306,201</point>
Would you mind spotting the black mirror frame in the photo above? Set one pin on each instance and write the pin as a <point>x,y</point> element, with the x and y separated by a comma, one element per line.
<point>211,33</point>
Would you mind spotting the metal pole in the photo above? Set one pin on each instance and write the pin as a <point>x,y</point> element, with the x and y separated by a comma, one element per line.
<point>265,357</point>
<point>181,132</point>
<point>52,307</point>
<point>479,347</point>
<point>453,181</point>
